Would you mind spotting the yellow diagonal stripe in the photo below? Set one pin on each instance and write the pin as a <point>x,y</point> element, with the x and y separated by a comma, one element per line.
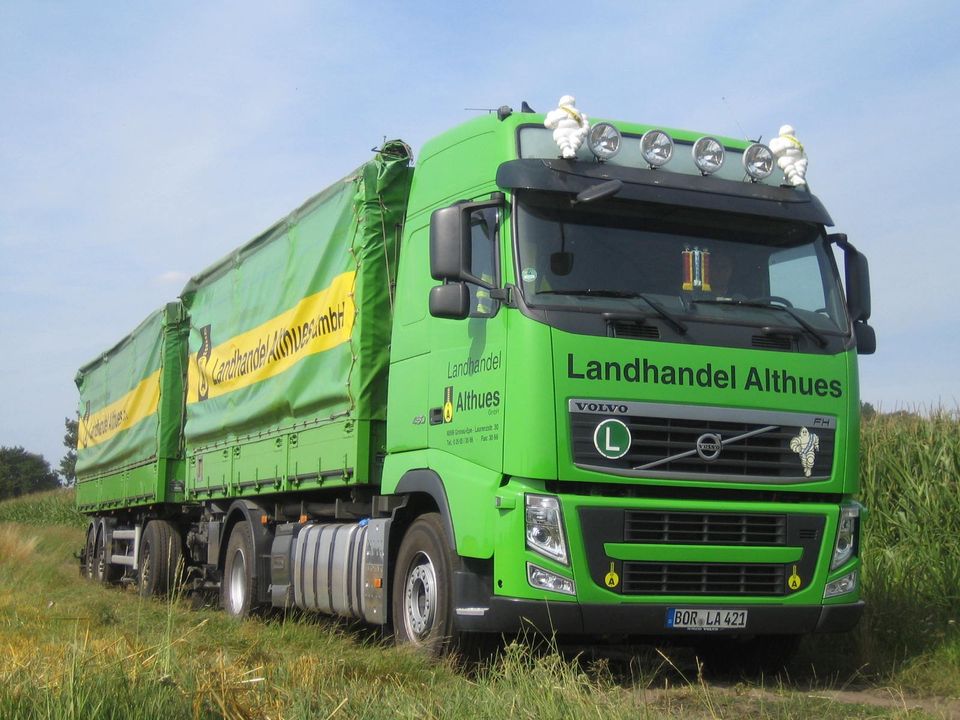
<point>318,322</point>
<point>120,415</point>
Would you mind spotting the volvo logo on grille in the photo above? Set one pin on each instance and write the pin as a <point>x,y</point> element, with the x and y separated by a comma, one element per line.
<point>709,446</point>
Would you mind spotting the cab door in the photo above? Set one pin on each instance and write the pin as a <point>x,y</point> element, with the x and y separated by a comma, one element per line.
<point>468,358</point>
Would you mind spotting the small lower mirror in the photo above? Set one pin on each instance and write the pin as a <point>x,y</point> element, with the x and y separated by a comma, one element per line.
<point>451,301</point>
<point>866,338</point>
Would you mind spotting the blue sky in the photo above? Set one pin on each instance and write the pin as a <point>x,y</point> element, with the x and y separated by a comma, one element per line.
<point>140,142</point>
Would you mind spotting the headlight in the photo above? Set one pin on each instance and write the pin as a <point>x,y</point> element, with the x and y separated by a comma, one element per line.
<point>544,525</point>
<point>758,161</point>
<point>708,155</point>
<point>604,141</point>
<point>546,580</point>
<point>846,542</point>
<point>656,147</point>
<point>841,586</point>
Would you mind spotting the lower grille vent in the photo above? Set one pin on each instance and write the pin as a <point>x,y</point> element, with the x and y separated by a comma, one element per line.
<point>643,578</point>
<point>641,526</point>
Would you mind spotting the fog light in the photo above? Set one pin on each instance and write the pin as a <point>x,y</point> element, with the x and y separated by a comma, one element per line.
<point>841,586</point>
<point>758,161</point>
<point>546,580</point>
<point>604,141</point>
<point>656,147</point>
<point>708,155</point>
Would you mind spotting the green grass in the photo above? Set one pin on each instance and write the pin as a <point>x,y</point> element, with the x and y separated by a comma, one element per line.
<point>54,507</point>
<point>910,634</point>
<point>71,649</point>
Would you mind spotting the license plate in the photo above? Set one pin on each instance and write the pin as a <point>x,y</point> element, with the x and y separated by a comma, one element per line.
<point>706,619</point>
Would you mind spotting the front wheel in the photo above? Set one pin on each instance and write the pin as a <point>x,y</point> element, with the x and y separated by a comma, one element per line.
<point>239,586</point>
<point>422,598</point>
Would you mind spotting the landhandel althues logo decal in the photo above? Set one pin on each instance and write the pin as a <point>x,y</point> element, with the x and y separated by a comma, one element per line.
<point>709,446</point>
<point>806,445</point>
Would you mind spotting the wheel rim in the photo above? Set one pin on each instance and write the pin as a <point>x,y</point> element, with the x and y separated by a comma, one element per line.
<point>237,582</point>
<point>101,560</point>
<point>420,597</point>
<point>145,567</point>
<point>91,555</point>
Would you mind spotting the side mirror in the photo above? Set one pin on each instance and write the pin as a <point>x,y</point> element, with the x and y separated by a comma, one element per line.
<point>451,301</point>
<point>866,338</point>
<point>451,247</point>
<point>857,276</point>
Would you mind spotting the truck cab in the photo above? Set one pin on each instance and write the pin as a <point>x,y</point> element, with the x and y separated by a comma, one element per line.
<point>627,387</point>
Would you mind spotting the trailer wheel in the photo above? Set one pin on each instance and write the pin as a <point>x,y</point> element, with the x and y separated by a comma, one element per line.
<point>161,557</point>
<point>104,571</point>
<point>239,587</point>
<point>422,593</point>
<point>89,553</point>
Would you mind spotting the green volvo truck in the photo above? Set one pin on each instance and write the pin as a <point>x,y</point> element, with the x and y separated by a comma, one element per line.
<point>613,394</point>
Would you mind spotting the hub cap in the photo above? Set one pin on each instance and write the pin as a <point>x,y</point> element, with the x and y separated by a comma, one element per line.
<point>237,582</point>
<point>420,597</point>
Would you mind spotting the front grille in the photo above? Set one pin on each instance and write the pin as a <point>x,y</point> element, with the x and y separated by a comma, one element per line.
<point>612,530</point>
<point>644,578</point>
<point>687,528</point>
<point>666,445</point>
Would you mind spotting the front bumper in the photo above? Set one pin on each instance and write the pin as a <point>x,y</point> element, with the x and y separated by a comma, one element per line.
<point>570,618</point>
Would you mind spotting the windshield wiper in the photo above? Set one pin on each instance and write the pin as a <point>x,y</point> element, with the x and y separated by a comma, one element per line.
<point>629,295</point>
<point>820,339</point>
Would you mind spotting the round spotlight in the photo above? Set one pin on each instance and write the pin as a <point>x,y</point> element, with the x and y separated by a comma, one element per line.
<point>708,155</point>
<point>604,141</point>
<point>656,147</point>
<point>758,161</point>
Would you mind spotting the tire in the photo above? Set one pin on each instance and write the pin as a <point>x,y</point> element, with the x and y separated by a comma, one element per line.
<point>161,558</point>
<point>104,572</point>
<point>422,601</point>
<point>89,553</point>
<point>760,655</point>
<point>238,588</point>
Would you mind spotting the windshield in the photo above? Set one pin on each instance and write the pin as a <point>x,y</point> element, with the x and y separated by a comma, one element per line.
<point>700,265</point>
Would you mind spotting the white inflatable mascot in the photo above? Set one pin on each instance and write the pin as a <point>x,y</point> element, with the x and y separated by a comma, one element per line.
<point>569,126</point>
<point>790,156</point>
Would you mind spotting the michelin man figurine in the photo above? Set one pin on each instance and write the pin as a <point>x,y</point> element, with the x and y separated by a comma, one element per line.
<point>790,156</point>
<point>569,126</point>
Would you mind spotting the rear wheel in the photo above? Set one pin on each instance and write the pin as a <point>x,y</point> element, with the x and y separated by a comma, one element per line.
<point>239,587</point>
<point>90,553</point>
<point>422,598</point>
<point>161,557</point>
<point>104,572</point>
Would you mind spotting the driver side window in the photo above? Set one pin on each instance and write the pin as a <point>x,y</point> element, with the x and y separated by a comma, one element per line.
<point>484,233</point>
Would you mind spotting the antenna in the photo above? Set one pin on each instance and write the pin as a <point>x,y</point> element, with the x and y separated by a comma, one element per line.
<point>739,126</point>
<point>503,112</point>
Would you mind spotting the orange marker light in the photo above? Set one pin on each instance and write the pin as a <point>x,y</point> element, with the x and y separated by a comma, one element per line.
<point>378,583</point>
